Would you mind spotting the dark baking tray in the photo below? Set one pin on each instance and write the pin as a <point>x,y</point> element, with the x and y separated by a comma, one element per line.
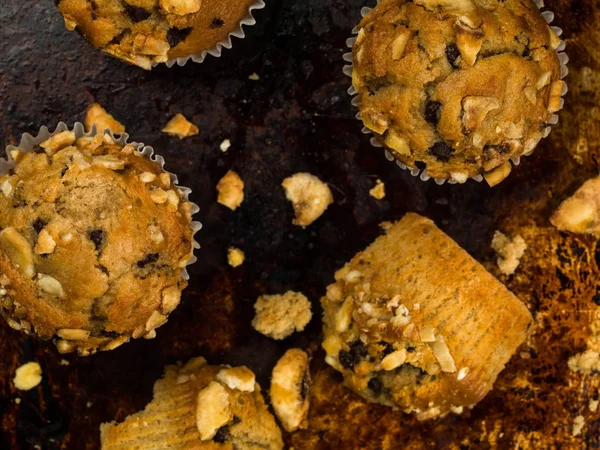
<point>298,117</point>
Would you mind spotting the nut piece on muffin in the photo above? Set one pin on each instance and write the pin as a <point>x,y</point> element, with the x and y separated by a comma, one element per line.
<point>94,239</point>
<point>457,88</point>
<point>202,407</point>
<point>147,32</point>
<point>415,323</point>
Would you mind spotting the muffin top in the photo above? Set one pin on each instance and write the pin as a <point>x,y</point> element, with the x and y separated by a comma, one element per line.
<point>93,241</point>
<point>144,32</point>
<point>456,87</point>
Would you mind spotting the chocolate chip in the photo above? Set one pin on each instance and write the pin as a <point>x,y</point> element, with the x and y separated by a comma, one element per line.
<point>387,348</point>
<point>97,237</point>
<point>432,112</point>
<point>452,53</point>
<point>216,23</point>
<point>358,349</point>
<point>222,434</point>
<point>176,35</point>
<point>136,13</point>
<point>346,360</point>
<point>596,299</point>
<point>39,225</point>
<point>149,259</point>
<point>442,151</point>
<point>411,349</point>
<point>503,148</point>
<point>236,420</point>
<point>375,385</point>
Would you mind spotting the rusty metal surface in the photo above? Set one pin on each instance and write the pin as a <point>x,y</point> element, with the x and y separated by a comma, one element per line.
<point>297,117</point>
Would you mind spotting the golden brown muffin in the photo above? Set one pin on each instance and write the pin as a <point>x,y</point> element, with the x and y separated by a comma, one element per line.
<point>93,240</point>
<point>416,323</point>
<point>199,407</point>
<point>145,32</point>
<point>456,87</point>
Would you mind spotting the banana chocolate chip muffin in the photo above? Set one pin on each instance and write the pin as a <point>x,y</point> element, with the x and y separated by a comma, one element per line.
<point>146,32</point>
<point>457,87</point>
<point>199,406</point>
<point>93,240</point>
<point>415,323</point>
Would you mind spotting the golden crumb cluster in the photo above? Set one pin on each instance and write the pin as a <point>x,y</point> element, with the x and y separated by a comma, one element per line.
<point>93,240</point>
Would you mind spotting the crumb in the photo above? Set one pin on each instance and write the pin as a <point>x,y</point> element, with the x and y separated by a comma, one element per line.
<point>310,197</point>
<point>97,115</point>
<point>593,405</point>
<point>179,126</point>
<point>231,190</point>
<point>64,362</point>
<point>225,145</point>
<point>578,424</point>
<point>254,77</point>
<point>17,400</point>
<point>509,251</point>
<point>378,191</point>
<point>28,376</point>
<point>579,213</point>
<point>278,316</point>
<point>588,362</point>
<point>88,404</point>
<point>235,257</point>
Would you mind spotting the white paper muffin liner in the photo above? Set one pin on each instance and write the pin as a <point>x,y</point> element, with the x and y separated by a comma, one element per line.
<point>29,142</point>
<point>217,49</point>
<point>422,174</point>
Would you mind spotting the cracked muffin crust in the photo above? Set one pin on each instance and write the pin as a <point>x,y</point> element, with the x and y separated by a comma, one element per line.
<point>457,87</point>
<point>199,406</point>
<point>416,323</point>
<point>93,240</point>
<point>145,32</point>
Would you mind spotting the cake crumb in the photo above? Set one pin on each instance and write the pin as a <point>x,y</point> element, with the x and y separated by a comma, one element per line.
<point>181,127</point>
<point>235,257</point>
<point>588,362</point>
<point>225,145</point>
<point>64,362</point>
<point>578,424</point>
<point>378,191</point>
<point>88,404</point>
<point>509,251</point>
<point>579,213</point>
<point>17,400</point>
<point>310,197</point>
<point>278,316</point>
<point>593,405</point>
<point>97,115</point>
<point>231,190</point>
<point>28,376</point>
<point>254,77</point>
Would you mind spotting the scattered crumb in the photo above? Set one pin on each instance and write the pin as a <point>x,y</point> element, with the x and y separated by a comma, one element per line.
<point>88,404</point>
<point>179,126</point>
<point>235,257</point>
<point>509,251</point>
<point>588,362</point>
<point>64,362</point>
<point>278,316</point>
<point>378,191</point>
<point>254,77</point>
<point>225,145</point>
<point>593,405</point>
<point>97,115</point>
<point>579,213</point>
<point>310,197</point>
<point>578,424</point>
<point>28,376</point>
<point>231,190</point>
<point>18,400</point>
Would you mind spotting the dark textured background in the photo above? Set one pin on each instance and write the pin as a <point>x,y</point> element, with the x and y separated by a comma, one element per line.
<point>297,117</point>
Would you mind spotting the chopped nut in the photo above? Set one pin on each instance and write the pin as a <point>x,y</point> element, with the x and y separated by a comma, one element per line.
<point>290,383</point>
<point>73,334</point>
<point>193,365</point>
<point>45,243</point>
<point>476,109</point>
<point>378,191</point>
<point>65,346</point>
<point>80,161</point>
<point>544,80</point>
<point>159,196</point>
<point>399,43</point>
<point>353,276</point>
<point>394,360</point>
<point>58,142</point>
<point>231,190</point>
<point>530,95</point>
<point>6,187</point>
<point>578,424</point>
<point>332,344</point>
<point>97,115</point>
<point>343,316</point>
<point>28,376</point>
<point>278,316</point>
<point>18,250</point>
<point>462,373</point>
<point>171,297</point>
<point>442,354</point>
<point>180,7</point>
<point>172,200</point>
<point>50,285</point>
<point>240,378</point>
<point>374,120</point>
<point>498,175</point>
<point>554,101</point>
<point>147,177</point>
<point>509,252</point>
<point>225,145</point>
<point>253,77</point>
<point>427,334</point>
<point>165,179</point>
<point>149,45</point>
<point>310,197</point>
<point>115,343</point>
<point>468,40</point>
<point>156,235</point>
<point>111,162</point>
<point>156,320</point>
<point>213,410</point>
<point>179,126</point>
<point>397,142</point>
<point>235,257</point>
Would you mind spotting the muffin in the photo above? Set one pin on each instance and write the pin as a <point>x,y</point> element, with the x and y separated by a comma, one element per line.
<point>199,406</point>
<point>147,32</point>
<point>457,88</point>
<point>415,323</point>
<point>94,238</point>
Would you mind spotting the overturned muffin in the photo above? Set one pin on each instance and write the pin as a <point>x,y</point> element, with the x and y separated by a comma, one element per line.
<point>93,240</point>
<point>146,32</point>
<point>199,406</point>
<point>414,322</point>
<point>457,87</point>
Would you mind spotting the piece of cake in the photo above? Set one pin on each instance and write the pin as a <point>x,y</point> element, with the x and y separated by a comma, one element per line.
<point>416,323</point>
<point>279,316</point>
